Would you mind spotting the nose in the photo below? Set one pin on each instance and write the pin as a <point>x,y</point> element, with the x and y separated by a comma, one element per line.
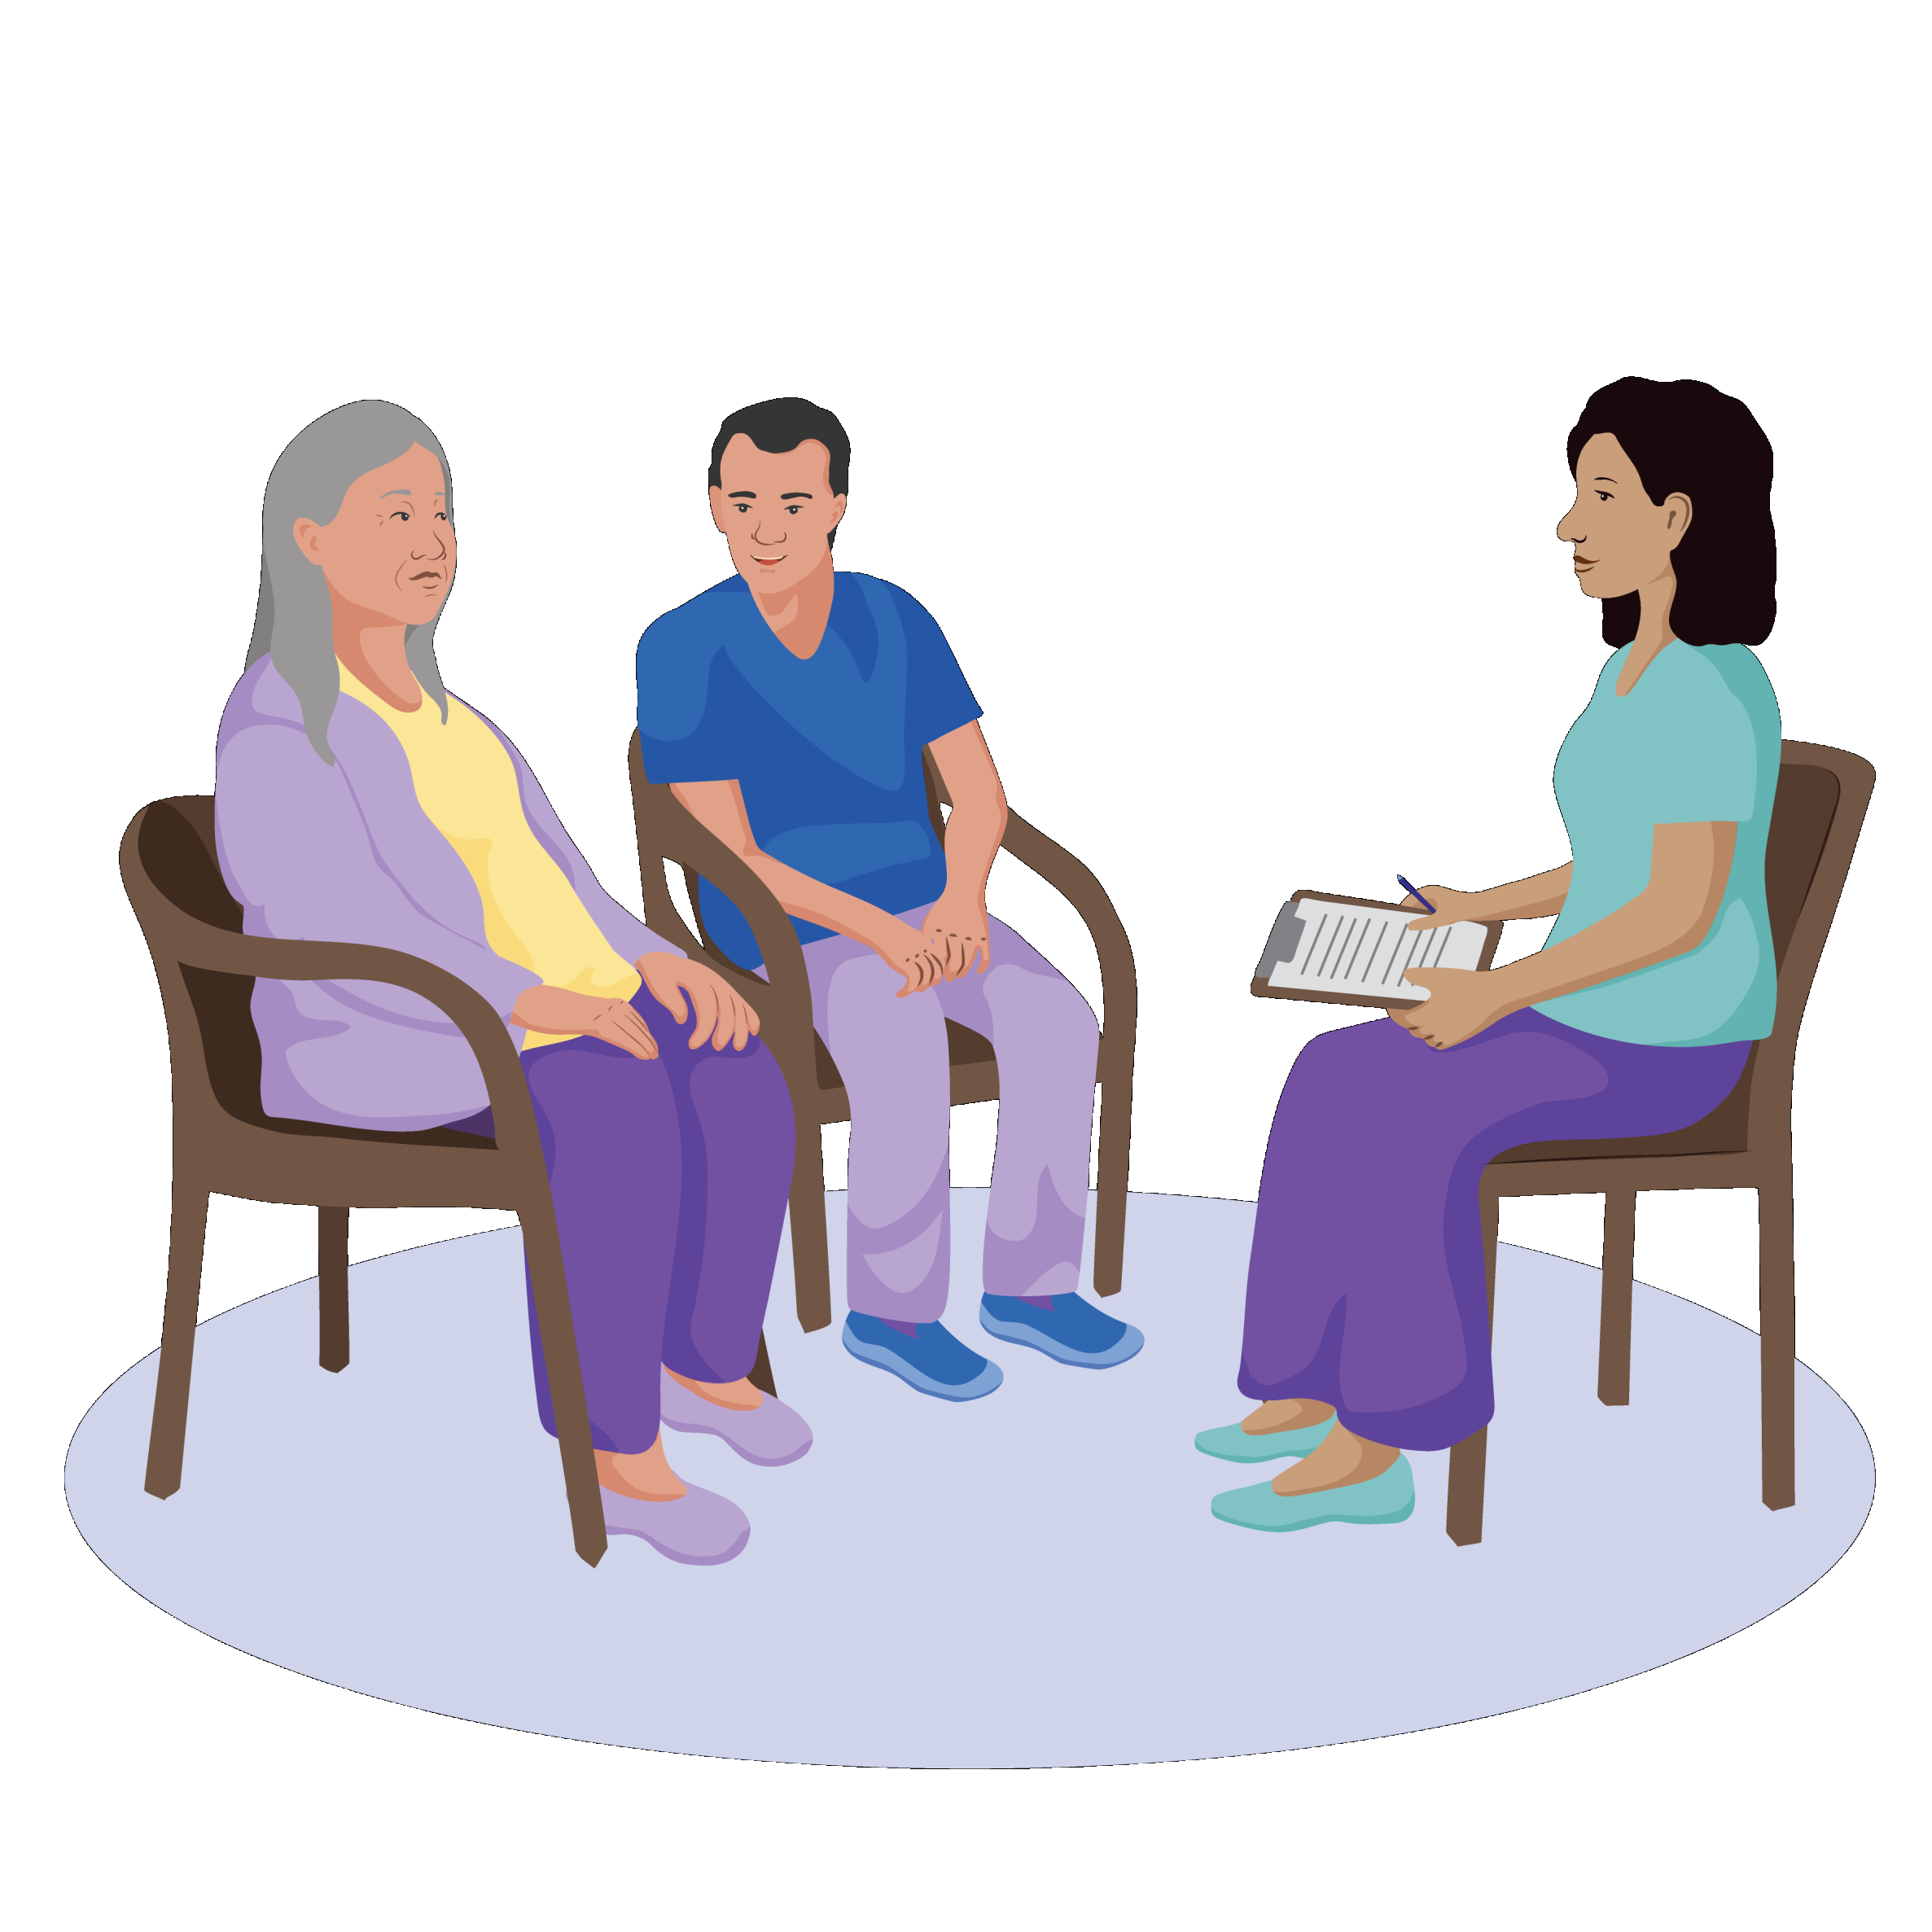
<point>428,540</point>
<point>764,539</point>
<point>1570,529</point>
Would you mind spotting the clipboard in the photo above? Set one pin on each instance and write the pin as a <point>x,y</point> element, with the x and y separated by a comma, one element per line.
<point>1334,996</point>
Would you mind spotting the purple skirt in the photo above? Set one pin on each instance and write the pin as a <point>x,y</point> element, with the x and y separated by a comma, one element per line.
<point>1366,1282</point>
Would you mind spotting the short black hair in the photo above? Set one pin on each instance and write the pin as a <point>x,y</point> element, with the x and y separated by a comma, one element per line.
<point>780,425</point>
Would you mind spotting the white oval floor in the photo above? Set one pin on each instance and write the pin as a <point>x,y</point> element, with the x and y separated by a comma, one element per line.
<point>1030,1580</point>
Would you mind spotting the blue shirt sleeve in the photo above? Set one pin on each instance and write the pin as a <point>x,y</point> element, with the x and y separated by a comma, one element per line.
<point>688,703</point>
<point>1701,765</point>
<point>938,699</point>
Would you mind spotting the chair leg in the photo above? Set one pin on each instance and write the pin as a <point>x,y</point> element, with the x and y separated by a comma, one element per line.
<point>1468,1462</point>
<point>187,1236</point>
<point>552,1296</point>
<point>760,1377</point>
<point>1492,1208</point>
<point>810,1259</point>
<point>1778,1345</point>
<point>332,1285</point>
<point>1110,1223</point>
<point>1619,1268</point>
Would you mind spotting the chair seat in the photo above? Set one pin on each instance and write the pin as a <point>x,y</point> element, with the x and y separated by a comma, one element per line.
<point>964,1048</point>
<point>426,1136</point>
<point>1723,1130</point>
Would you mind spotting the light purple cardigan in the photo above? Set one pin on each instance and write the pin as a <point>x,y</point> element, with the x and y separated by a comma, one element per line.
<point>344,852</point>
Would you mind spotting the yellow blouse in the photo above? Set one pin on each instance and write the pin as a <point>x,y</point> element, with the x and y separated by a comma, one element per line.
<point>467,789</point>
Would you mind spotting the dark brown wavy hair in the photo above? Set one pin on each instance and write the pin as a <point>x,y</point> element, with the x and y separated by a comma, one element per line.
<point>1688,436</point>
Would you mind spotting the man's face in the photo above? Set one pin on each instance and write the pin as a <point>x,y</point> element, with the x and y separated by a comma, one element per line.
<point>390,552</point>
<point>776,512</point>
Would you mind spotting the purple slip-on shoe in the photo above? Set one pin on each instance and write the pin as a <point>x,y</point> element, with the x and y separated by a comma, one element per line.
<point>700,1526</point>
<point>770,1434</point>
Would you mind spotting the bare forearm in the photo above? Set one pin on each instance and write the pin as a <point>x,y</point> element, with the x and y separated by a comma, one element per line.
<point>808,898</point>
<point>973,835</point>
<point>1661,921</point>
<point>1539,897</point>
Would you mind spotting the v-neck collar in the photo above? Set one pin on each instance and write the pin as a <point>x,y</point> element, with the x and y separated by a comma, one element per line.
<point>856,721</point>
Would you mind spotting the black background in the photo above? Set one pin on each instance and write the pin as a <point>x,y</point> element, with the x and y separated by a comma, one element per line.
<point>1190,570</point>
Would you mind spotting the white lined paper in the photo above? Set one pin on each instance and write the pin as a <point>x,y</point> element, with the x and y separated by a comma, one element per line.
<point>1363,949</point>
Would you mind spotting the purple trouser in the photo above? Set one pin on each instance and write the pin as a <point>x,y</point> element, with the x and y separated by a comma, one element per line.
<point>1366,1283</point>
<point>892,1055</point>
<point>670,1177</point>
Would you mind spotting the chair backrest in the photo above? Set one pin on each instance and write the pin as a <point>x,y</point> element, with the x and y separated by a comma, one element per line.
<point>652,804</point>
<point>173,874</point>
<point>1822,796</point>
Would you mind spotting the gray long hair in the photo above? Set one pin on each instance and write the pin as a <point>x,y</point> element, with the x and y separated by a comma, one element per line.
<point>292,620</point>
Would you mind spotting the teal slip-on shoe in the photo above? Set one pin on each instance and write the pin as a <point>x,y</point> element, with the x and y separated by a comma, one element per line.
<point>1390,1497</point>
<point>1234,1444</point>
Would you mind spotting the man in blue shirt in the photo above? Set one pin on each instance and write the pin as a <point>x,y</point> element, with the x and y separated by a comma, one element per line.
<point>788,706</point>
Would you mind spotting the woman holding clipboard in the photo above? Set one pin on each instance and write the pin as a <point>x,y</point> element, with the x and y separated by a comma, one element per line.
<point>1367,1327</point>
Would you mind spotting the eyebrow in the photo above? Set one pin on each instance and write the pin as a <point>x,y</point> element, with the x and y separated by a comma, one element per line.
<point>394,493</point>
<point>1603,480</point>
<point>737,493</point>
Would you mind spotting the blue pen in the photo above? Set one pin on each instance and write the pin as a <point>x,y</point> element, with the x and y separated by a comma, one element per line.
<point>1413,893</point>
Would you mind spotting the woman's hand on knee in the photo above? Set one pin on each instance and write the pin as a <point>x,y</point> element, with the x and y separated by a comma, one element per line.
<point>557,1009</point>
<point>716,1008</point>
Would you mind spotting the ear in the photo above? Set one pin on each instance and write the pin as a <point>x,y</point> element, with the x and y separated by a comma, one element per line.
<point>1676,518</point>
<point>838,503</point>
<point>309,539</point>
<point>717,510</point>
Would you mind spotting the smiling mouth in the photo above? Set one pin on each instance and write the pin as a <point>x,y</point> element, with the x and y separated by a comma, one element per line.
<point>1583,562</point>
<point>427,576</point>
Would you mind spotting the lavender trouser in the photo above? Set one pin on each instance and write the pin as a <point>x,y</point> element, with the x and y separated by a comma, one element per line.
<point>670,1177</point>
<point>1366,1283</point>
<point>892,1055</point>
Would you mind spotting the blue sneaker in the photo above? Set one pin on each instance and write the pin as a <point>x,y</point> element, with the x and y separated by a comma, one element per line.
<point>1072,1331</point>
<point>932,1359</point>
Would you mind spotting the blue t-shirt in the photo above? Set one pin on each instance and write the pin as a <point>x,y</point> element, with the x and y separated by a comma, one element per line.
<point>825,749</point>
<point>1697,741</point>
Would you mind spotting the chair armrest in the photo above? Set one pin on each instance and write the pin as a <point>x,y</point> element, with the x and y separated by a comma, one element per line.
<point>1068,877</point>
<point>193,943</point>
<point>1074,883</point>
<point>667,833</point>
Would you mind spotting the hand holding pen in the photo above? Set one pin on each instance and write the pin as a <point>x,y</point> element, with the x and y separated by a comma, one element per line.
<point>1442,905</point>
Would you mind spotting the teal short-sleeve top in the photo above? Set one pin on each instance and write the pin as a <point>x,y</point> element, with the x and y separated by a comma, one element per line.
<point>1697,741</point>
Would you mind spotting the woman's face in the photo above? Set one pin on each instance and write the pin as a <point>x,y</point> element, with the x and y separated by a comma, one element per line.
<point>391,552</point>
<point>1623,541</point>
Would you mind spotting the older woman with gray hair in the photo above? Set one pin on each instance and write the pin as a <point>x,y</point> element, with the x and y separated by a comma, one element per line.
<point>356,799</point>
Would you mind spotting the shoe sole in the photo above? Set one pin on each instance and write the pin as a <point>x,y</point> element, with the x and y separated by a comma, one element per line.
<point>1369,1518</point>
<point>884,1358</point>
<point>1031,1337</point>
<point>681,1555</point>
<point>738,1448</point>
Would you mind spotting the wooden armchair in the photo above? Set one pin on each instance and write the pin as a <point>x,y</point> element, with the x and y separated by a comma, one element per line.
<point>667,834</point>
